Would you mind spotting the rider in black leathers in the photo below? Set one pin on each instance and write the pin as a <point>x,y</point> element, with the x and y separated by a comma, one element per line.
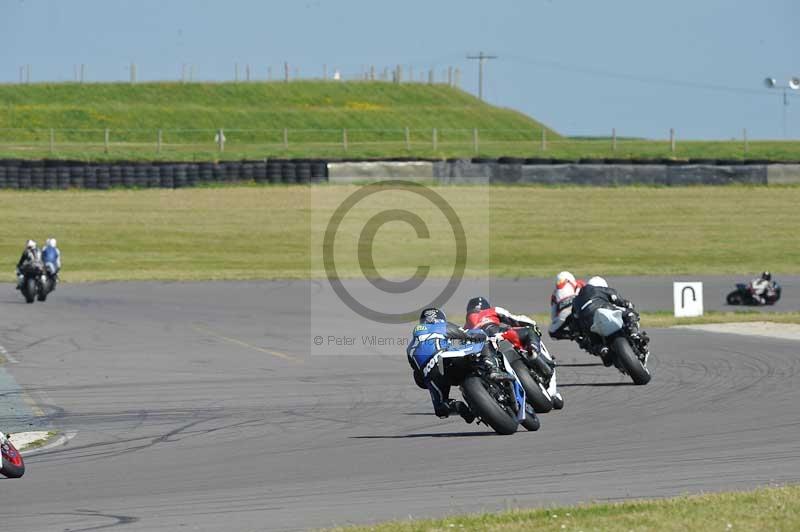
<point>596,294</point>
<point>30,255</point>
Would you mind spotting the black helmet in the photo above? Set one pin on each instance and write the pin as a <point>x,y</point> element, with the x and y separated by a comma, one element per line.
<point>477,304</point>
<point>766,276</point>
<point>432,315</point>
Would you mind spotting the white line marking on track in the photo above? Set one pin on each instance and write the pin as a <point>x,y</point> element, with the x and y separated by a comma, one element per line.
<point>8,356</point>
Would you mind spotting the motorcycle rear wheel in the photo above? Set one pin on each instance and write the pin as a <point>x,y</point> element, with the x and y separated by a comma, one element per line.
<point>538,398</point>
<point>485,407</point>
<point>630,362</point>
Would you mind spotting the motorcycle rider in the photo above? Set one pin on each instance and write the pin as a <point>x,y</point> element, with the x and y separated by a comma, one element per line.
<point>517,329</point>
<point>596,294</point>
<point>567,287</point>
<point>432,336</point>
<point>30,255</point>
<point>51,256</point>
<point>762,287</point>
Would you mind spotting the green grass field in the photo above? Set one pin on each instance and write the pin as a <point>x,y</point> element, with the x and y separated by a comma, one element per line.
<point>774,509</point>
<point>254,116</point>
<point>269,232</point>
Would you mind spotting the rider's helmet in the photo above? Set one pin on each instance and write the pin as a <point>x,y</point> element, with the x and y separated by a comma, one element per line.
<point>564,278</point>
<point>30,244</point>
<point>766,276</point>
<point>598,281</point>
<point>51,242</point>
<point>432,315</point>
<point>477,304</point>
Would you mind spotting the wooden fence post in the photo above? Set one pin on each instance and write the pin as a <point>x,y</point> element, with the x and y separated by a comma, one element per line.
<point>475,141</point>
<point>408,139</point>
<point>672,140</point>
<point>106,140</point>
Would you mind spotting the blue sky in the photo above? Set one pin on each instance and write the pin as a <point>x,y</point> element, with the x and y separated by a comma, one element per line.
<point>580,66</point>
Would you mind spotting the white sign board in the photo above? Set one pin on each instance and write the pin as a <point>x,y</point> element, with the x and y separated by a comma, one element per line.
<point>688,299</point>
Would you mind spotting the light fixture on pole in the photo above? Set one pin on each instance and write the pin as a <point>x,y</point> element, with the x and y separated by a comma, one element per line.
<point>794,84</point>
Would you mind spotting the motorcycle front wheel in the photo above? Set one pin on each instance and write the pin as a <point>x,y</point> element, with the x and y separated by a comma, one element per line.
<point>485,407</point>
<point>29,289</point>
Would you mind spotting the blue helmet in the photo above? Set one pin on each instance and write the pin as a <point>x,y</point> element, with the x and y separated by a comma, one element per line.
<point>432,315</point>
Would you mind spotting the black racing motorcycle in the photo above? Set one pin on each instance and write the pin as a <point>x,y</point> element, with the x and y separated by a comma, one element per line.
<point>743,295</point>
<point>36,283</point>
<point>621,341</point>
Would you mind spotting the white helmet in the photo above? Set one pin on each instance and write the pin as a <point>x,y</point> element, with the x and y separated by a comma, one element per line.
<point>51,242</point>
<point>598,281</point>
<point>30,244</point>
<point>564,278</point>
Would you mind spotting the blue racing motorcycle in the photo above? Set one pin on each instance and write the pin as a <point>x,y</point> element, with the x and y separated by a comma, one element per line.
<point>498,403</point>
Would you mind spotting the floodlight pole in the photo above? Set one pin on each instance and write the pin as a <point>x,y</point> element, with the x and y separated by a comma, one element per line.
<point>794,84</point>
<point>482,58</point>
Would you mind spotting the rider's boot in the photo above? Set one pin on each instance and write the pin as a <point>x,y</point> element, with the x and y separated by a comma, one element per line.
<point>496,373</point>
<point>461,408</point>
<point>542,368</point>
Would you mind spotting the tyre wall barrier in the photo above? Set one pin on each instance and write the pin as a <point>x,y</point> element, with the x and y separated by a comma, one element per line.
<point>62,174</point>
<point>600,173</point>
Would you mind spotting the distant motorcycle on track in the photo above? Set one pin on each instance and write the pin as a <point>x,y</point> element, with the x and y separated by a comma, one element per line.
<point>36,283</point>
<point>744,295</point>
<point>13,466</point>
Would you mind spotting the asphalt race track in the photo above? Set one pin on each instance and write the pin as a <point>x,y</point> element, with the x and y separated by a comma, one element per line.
<point>197,407</point>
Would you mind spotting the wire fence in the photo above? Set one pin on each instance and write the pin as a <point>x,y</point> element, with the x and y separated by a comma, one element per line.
<point>401,141</point>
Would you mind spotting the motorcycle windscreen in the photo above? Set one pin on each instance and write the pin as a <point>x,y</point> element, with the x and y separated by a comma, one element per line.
<point>607,321</point>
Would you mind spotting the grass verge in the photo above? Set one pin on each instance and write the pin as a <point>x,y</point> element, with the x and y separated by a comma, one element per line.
<point>773,508</point>
<point>271,232</point>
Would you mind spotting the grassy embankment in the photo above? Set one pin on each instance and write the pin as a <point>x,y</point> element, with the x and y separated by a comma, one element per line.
<point>266,232</point>
<point>775,509</point>
<point>254,116</point>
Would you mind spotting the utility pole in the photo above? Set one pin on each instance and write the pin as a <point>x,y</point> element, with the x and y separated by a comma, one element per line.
<point>482,58</point>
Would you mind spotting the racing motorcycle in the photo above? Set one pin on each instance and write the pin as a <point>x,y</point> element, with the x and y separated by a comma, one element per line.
<point>498,404</point>
<point>36,283</point>
<point>536,371</point>
<point>743,295</point>
<point>622,341</point>
<point>12,465</point>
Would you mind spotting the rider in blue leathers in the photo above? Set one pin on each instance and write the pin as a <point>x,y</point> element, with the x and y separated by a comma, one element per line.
<point>51,257</point>
<point>432,336</point>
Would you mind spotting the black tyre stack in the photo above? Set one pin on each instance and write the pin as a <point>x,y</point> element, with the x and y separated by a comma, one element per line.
<point>77,176</point>
<point>274,171</point>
